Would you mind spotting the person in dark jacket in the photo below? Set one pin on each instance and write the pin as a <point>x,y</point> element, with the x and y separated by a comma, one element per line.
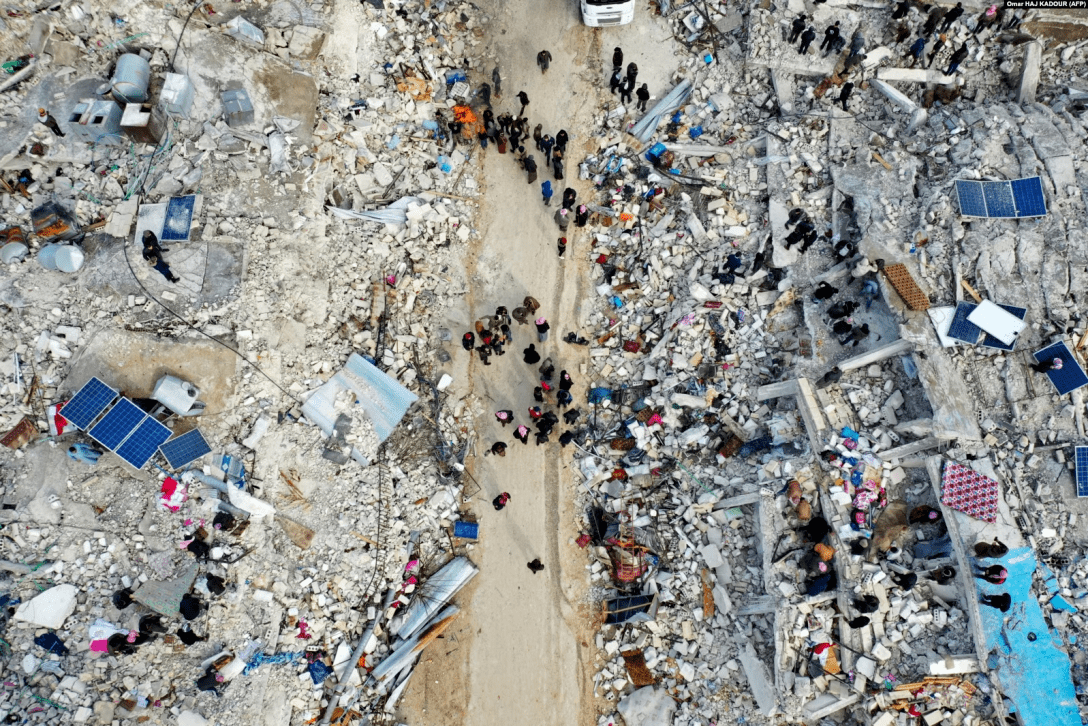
<point>797,28</point>
<point>957,57</point>
<point>500,501</point>
<point>643,95</point>
<point>617,58</point>
<point>616,82</point>
<point>530,167</point>
<point>844,96</point>
<point>565,381</point>
<point>831,33</point>
<point>916,50</point>
<point>468,341</point>
<point>530,356</point>
<point>542,329</point>
<point>806,40</point>
<point>952,16</point>
<point>543,59</point>
<point>1002,601</point>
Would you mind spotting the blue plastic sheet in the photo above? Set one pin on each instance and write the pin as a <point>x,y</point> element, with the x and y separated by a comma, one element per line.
<point>319,672</point>
<point>271,658</point>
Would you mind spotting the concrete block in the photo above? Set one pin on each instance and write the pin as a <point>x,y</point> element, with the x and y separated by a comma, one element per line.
<point>1029,72</point>
<point>237,108</point>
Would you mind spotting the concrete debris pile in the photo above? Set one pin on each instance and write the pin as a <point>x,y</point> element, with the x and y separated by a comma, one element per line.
<point>263,273</point>
<point>800,516</point>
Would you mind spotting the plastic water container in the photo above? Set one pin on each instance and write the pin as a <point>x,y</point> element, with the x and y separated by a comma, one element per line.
<point>47,256</point>
<point>69,258</point>
<point>444,164</point>
<point>130,79</point>
<point>13,252</point>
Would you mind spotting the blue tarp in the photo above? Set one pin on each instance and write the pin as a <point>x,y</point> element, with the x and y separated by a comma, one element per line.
<point>1033,671</point>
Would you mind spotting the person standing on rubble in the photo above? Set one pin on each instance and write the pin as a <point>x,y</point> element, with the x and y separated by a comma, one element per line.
<point>933,20</point>
<point>988,17</point>
<point>957,57</point>
<point>937,47</point>
<point>643,95</point>
<point>831,33</point>
<point>825,291</point>
<point>952,16</point>
<point>46,119</point>
<point>797,28</point>
<point>806,39</point>
<point>524,98</point>
<point>546,191</point>
<point>543,59</point>
<point>844,96</point>
<point>916,50</point>
<point>795,216</point>
<point>1047,365</point>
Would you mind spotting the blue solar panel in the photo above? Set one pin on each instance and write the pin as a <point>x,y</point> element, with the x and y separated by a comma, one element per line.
<point>179,218</point>
<point>1070,376</point>
<point>991,342</point>
<point>999,201</point>
<point>89,401</point>
<point>961,328</point>
<point>184,449</point>
<point>144,441</point>
<point>1028,194</point>
<point>972,203</point>
<point>1081,457</point>
<point>117,424</point>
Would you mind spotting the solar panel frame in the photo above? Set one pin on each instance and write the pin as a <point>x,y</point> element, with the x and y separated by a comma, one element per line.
<point>1080,456</point>
<point>117,424</point>
<point>1071,376</point>
<point>972,200</point>
<point>88,403</point>
<point>185,449</point>
<point>991,342</point>
<point>1029,197</point>
<point>961,328</point>
<point>999,201</point>
<point>139,446</point>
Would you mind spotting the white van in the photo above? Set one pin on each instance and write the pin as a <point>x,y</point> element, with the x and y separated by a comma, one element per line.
<point>600,13</point>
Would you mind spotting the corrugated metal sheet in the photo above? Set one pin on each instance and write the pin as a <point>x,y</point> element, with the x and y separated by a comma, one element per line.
<point>383,399</point>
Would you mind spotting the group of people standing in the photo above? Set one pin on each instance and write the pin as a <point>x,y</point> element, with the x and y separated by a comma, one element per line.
<point>625,83</point>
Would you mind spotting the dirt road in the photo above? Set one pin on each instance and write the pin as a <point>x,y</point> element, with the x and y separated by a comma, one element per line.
<point>523,649</point>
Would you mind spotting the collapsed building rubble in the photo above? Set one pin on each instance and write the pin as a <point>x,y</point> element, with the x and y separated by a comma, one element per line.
<point>729,415</point>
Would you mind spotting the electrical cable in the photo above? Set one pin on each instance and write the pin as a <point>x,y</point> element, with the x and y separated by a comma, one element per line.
<point>128,261</point>
<point>182,33</point>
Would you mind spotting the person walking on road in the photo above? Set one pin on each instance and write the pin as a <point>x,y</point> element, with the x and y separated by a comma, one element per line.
<point>535,566</point>
<point>616,81</point>
<point>530,355</point>
<point>530,165</point>
<point>542,328</point>
<point>524,98</point>
<point>521,433</point>
<point>562,218</point>
<point>543,59</point>
<point>562,247</point>
<point>546,191</point>
<point>504,417</point>
<point>500,501</point>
